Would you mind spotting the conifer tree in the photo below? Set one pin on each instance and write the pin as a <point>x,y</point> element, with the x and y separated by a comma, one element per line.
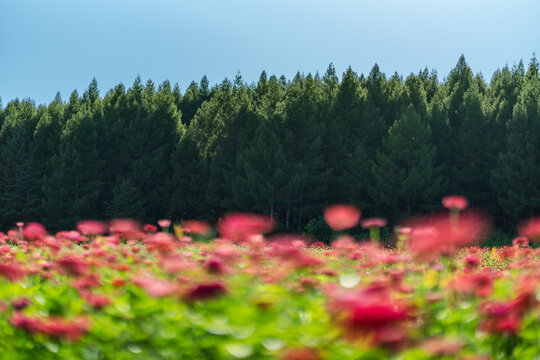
<point>516,179</point>
<point>405,179</point>
<point>72,189</point>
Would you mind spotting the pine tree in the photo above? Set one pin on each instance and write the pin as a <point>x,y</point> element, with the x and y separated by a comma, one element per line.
<point>472,155</point>
<point>516,179</point>
<point>126,202</point>
<point>404,177</point>
<point>72,189</point>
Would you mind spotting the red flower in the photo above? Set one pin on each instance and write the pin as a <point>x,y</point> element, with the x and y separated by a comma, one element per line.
<point>34,231</point>
<point>149,228</point>
<point>14,272</point>
<point>91,227</point>
<point>341,217</point>
<point>206,292</point>
<point>372,314</point>
<point>214,266</point>
<point>240,226</point>
<point>472,261</point>
<point>21,303</point>
<point>439,234</point>
<point>530,228</point>
<point>374,223</point>
<point>196,227</point>
<point>53,326</point>
<point>500,318</point>
<point>480,284</point>
<point>74,265</point>
<point>455,202</point>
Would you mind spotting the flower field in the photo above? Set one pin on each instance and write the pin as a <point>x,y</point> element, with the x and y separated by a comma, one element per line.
<point>125,291</point>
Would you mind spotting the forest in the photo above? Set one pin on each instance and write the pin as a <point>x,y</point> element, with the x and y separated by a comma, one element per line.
<point>391,145</point>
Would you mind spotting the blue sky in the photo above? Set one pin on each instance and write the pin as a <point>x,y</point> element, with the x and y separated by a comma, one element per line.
<point>60,45</point>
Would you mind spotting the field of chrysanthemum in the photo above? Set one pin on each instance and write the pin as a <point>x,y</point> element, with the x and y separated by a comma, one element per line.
<point>123,291</point>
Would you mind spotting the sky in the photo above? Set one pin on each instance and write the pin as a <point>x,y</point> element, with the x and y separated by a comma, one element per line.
<point>60,45</point>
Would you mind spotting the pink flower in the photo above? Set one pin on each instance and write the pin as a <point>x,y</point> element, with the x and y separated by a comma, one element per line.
<point>95,300</point>
<point>34,231</point>
<point>472,261</point>
<point>161,242</point>
<point>455,202</point>
<point>14,272</point>
<point>196,227</point>
<point>520,241</point>
<point>341,217</point>
<point>157,288</point>
<point>19,224</point>
<point>374,223</point>
<point>127,228</point>
<point>530,228</point>
<point>437,347</point>
<point>70,235</point>
<point>164,223</point>
<point>91,227</point>
<point>241,226</point>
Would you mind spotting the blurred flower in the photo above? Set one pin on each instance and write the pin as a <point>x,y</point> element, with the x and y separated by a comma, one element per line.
<point>196,227</point>
<point>341,217</point>
<point>372,315</point>
<point>455,202</point>
<point>70,235</point>
<point>204,292</point>
<point>374,222</point>
<point>74,265</point>
<point>21,303</point>
<point>520,241</point>
<point>34,231</point>
<point>164,223</point>
<point>149,228</point>
<point>440,234</point>
<point>241,226</point>
<point>157,288</point>
<point>14,272</point>
<point>161,242</point>
<point>530,228</point>
<point>127,228</point>
<point>437,347</point>
<point>91,227</point>
<point>53,326</point>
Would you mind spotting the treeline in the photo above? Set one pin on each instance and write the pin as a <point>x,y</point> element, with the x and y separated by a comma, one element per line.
<point>286,148</point>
